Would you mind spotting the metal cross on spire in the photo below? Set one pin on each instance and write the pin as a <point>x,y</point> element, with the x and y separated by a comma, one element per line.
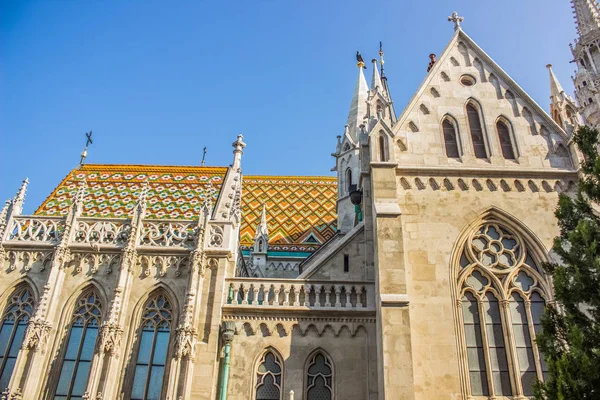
<point>203,157</point>
<point>456,19</point>
<point>87,143</point>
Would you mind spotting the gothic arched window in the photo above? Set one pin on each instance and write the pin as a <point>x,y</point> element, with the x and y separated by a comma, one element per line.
<point>505,141</point>
<point>75,369</point>
<point>383,154</point>
<point>348,179</point>
<point>450,139</point>
<point>476,132</point>
<point>268,377</point>
<point>502,296</point>
<point>319,378</point>
<point>12,329</point>
<point>153,344</point>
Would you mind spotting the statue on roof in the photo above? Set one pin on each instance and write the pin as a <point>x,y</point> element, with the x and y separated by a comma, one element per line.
<point>361,62</point>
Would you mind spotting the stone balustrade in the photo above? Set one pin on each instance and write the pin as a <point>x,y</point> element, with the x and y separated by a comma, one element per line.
<point>26,229</point>
<point>296,293</point>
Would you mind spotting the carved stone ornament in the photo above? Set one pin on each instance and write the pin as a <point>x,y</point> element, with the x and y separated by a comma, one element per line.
<point>216,236</point>
<point>16,395</point>
<point>110,339</point>
<point>36,334</point>
<point>185,343</point>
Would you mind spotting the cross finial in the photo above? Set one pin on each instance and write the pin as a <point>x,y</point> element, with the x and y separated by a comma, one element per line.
<point>456,19</point>
<point>88,141</point>
<point>203,157</point>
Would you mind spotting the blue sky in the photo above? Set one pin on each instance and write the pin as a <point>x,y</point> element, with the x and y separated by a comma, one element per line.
<point>157,82</point>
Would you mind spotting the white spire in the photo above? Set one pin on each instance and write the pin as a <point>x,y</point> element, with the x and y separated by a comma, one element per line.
<point>376,79</point>
<point>19,199</point>
<point>358,106</point>
<point>262,229</point>
<point>587,16</point>
<point>556,90</point>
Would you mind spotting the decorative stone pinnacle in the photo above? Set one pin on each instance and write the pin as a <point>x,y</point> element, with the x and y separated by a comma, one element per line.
<point>239,145</point>
<point>20,198</point>
<point>456,19</point>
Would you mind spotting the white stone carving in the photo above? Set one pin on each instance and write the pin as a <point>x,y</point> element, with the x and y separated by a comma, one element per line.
<point>113,232</point>
<point>168,234</point>
<point>36,229</point>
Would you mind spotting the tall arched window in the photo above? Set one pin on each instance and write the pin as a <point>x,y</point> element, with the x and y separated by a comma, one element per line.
<point>12,329</point>
<point>383,150</point>
<point>268,377</point>
<point>505,142</point>
<point>75,369</point>
<point>348,179</point>
<point>450,139</point>
<point>502,291</point>
<point>319,378</point>
<point>153,345</point>
<point>476,132</point>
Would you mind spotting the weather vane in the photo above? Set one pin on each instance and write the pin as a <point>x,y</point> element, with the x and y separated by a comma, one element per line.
<point>203,156</point>
<point>87,143</point>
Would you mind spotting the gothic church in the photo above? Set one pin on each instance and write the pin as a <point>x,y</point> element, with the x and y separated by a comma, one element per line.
<point>414,274</point>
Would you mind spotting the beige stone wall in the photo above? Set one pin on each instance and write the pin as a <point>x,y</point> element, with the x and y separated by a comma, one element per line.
<point>432,222</point>
<point>351,349</point>
<point>333,267</point>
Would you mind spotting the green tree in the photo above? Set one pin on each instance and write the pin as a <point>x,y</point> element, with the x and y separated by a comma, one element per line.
<point>570,337</point>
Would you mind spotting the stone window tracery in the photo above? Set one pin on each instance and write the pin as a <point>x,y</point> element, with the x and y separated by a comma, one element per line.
<point>319,378</point>
<point>268,377</point>
<point>502,294</point>
<point>153,344</point>
<point>12,330</point>
<point>83,332</point>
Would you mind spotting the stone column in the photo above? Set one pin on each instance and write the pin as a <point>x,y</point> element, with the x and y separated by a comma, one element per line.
<point>394,352</point>
<point>108,349</point>
<point>33,350</point>
<point>186,335</point>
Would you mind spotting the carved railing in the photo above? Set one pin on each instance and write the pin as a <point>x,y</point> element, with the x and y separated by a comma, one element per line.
<point>47,230</point>
<point>102,231</point>
<point>295,293</point>
<point>167,233</point>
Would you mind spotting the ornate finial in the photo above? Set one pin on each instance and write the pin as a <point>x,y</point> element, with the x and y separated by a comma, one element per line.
<point>203,157</point>
<point>19,199</point>
<point>456,19</point>
<point>239,145</point>
<point>431,62</point>
<point>381,61</point>
<point>360,62</point>
<point>88,141</point>
<point>80,195</point>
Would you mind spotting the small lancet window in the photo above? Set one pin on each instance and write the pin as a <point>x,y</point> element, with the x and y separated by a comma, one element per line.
<point>450,140</point>
<point>505,142</point>
<point>383,148</point>
<point>349,179</point>
<point>12,329</point>
<point>476,132</point>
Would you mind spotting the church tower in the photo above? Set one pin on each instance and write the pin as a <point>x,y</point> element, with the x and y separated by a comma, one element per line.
<point>347,150</point>
<point>587,55</point>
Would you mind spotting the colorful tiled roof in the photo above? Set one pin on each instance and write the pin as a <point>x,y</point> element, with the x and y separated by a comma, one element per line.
<point>173,192</point>
<point>301,211</point>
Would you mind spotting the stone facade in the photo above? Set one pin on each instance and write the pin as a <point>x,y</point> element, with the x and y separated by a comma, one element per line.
<point>430,289</point>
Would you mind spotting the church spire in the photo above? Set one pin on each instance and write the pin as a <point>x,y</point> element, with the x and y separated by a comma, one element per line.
<point>376,79</point>
<point>358,105</point>
<point>587,16</point>
<point>556,90</point>
<point>262,229</point>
